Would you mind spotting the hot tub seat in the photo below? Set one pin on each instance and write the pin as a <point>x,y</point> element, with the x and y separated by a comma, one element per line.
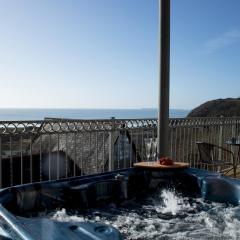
<point>95,193</point>
<point>79,192</point>
<point>71,230</point>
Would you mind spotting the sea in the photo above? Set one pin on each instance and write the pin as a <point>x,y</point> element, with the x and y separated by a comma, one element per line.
<point>15,114</point>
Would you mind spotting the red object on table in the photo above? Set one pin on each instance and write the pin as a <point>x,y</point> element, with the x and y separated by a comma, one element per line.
<point>165,161</point>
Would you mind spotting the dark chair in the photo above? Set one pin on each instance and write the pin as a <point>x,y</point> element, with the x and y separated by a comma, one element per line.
<point>216,158</point>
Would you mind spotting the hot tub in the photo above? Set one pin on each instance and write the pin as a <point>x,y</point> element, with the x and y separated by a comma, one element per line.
<point>126,204</point>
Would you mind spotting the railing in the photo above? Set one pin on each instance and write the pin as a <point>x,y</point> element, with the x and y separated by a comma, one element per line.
<point>56,148</point>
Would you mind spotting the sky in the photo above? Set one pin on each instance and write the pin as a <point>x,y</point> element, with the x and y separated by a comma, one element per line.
<point>104,53</point>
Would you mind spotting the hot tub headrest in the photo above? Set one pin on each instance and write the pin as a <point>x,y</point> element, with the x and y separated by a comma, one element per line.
<point>221,190</point>
<point>214,186</point>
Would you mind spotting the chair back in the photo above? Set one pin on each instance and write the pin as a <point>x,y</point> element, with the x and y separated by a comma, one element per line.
<point>206,151</point>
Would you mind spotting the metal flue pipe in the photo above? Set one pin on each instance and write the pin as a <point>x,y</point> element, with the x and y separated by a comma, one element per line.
<point>164,69</point>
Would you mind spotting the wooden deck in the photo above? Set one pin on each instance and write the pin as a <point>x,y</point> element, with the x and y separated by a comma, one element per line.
<point>230,173</point>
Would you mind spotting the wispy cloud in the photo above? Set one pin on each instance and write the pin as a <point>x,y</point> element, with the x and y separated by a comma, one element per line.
<point>226,39</point>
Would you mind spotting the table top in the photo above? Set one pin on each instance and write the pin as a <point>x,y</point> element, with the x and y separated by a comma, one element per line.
<point>235,143</point>
<point>156,165</point>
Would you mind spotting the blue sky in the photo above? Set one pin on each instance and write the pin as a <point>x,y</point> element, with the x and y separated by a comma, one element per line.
<point>103,53</point>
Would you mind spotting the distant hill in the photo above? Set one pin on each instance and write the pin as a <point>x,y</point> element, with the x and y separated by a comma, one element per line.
<point>228,107</point>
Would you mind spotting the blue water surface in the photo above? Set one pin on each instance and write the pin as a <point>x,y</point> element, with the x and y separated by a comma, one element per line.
<point>11,114</point>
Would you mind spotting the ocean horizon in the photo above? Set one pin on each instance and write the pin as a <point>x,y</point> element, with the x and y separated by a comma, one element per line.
<point>15,114</point>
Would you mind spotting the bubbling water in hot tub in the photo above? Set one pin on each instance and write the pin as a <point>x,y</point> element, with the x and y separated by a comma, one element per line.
<point>165,215</point>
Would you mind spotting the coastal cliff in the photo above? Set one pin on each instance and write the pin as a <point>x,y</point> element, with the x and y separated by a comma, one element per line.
<point>229,107</point>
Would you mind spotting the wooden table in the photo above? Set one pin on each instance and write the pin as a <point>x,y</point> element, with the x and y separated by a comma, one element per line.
<point>157,166</point>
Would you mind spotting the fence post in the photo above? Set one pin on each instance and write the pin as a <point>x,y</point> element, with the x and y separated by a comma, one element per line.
<point>220,136</point>
<point>234,131</point>
<point>111,146</point>
<point>234,128</point>
<point>234,135</point>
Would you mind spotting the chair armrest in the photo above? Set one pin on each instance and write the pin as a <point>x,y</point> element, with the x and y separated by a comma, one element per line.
<point>226,150</point>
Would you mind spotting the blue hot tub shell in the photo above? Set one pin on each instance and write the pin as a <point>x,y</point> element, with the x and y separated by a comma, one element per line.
<point>26,201</point>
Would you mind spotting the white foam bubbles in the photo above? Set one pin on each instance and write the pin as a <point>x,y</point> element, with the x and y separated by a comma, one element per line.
<point>172,203</point>
<point>62,216</point>
<point>166,215</point>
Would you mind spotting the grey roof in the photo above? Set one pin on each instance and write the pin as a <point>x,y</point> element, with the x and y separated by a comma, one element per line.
<point>89,150</point>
